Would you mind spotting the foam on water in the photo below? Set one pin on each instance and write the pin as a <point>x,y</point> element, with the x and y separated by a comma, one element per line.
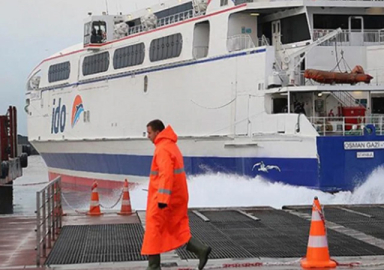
<point>210,190</point>
<point>221,190</point>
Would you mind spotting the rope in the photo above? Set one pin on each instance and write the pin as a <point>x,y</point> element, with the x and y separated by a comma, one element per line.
<point>290,263</point>
<point>118,200</point>
<point>371,264</point>
<point>320,213</point>
<point>215,108</point>
<point>23,185</point>
<point>245,265</point>
<point>351,264</point>
<point>74,209</point>
<point>101,205</point>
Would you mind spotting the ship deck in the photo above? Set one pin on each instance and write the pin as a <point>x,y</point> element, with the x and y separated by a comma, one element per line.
<point>251,237</point>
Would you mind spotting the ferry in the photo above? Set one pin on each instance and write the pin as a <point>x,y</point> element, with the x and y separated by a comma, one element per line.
<point>232,78</point>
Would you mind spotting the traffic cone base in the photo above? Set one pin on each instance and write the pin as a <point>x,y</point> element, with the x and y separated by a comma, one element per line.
<point>126,208</point>
<point>317,264</point>
<point>94,214</point>
<point>317,250</point>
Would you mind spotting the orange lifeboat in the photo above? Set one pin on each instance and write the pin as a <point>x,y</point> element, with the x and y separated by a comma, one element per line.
<point>357,75</point>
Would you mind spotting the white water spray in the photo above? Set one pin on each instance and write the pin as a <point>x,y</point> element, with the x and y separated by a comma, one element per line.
<point>221,190</point>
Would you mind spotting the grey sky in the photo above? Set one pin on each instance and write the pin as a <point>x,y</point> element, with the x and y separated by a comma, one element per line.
<point>35,29</point>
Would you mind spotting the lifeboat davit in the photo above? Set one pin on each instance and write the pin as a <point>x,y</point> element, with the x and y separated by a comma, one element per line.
<point>357,75</point>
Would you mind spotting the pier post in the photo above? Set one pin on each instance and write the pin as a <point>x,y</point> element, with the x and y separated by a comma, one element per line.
<point>6,199</point>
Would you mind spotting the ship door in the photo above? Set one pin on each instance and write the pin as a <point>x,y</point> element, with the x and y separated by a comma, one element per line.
<point>276,34</point>
<point>241,121</point>
<point>201,40</point>
<point>356,30</point>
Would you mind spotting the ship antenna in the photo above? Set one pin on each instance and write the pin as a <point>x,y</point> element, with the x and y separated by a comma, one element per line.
<point>106,4</point>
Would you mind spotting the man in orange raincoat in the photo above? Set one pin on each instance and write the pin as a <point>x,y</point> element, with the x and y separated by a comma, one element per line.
<point>167,223</point>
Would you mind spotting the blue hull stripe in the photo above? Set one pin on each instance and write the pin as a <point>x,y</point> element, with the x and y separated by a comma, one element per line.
<point>303,172</point>
<point>336,169</point>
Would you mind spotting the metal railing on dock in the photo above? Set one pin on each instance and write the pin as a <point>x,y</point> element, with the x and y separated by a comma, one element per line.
<point>48,217</point>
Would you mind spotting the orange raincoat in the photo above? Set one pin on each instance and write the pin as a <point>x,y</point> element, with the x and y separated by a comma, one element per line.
<point>168,228</point>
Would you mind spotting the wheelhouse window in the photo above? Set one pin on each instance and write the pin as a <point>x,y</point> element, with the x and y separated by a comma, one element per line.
<point>96,63</point>
<point>95,32</point>
<point>59,72</point>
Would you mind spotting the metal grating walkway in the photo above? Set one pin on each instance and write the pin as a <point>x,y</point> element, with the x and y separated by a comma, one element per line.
<point>222,246</point>
<point>277,234</point>
<point>97,243</point>
<point>231,234</point>
<point>368,220</point>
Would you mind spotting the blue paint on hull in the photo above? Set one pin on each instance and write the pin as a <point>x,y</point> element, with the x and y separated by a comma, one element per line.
<point>336,169</point>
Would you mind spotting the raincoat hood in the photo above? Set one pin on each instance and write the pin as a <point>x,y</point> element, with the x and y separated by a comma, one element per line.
<point>167,133</point>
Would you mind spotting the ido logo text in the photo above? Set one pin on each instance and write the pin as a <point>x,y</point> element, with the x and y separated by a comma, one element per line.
<point>58,117</point>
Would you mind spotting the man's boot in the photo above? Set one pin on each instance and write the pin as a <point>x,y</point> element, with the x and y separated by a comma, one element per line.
<point>202,251</point>
<point>154,262</point>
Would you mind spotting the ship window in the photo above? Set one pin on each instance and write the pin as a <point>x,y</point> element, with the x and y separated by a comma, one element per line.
<point>129,56</point>
<point>34,81</point>
<point>239,2</point>
<point>95,32</point>
<point>223,2</point>
<point>294,29</point>
<point>59,72</point>
<point>96,63</point>
<point>165,47</point>
<point>145,84</point>
<point>99,32</point>
<point>333,21</point>
<point>174,10</point>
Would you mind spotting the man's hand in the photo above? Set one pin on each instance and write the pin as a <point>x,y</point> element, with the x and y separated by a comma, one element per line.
<point>162,205</point>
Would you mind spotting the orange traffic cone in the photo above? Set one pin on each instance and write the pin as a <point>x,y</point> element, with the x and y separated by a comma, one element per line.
<point>94,209</point>
<point>126,208</point>
<point>317,250</point>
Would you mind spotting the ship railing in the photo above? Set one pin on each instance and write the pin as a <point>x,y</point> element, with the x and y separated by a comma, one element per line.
<point>381,35</point>
<point>135,29</point>
<point>345,98</point>
<point>239,42</point>
<point>347,125</point>
<point>48,217</point>
<point>178,17</point>
<point>354,38</point>
<point>264,41</point>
